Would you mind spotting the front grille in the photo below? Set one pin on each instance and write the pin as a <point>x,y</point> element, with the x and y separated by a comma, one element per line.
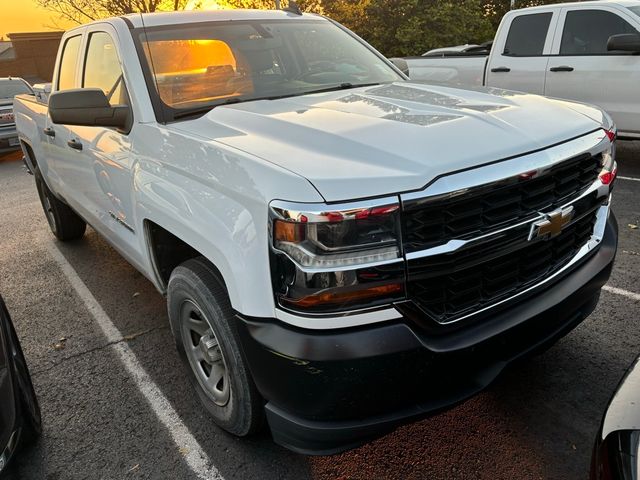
<point>453,285</point>
<point>428,222</point>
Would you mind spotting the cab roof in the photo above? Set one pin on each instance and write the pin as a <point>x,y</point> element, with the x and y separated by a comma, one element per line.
<point>585,4</point>
<point>197,16</point>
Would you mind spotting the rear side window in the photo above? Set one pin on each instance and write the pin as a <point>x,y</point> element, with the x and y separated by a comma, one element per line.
<point>69,63</point>
<point>527,35</point>
<point>102,68</point>
<point>586,32</point>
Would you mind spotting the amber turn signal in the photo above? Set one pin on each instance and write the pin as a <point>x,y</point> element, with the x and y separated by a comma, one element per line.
<point>342,297</point>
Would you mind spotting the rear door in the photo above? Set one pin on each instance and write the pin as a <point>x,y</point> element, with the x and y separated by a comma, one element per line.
<point>63,162</point>
<point>519,59</point>
<point>583,69</point>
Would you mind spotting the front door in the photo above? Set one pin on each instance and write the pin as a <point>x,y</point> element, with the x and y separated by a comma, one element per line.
<point>583,69</point>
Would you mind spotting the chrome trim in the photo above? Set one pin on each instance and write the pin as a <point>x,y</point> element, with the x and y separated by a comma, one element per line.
<point>456,244</point>
<point>594,241</point>
<point>344,321</point>
<point>541,161</point>
<point>317,212</point>
<point>343,268</point>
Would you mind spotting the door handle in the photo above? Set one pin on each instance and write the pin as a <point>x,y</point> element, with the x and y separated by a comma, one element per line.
<point>75,144</point>
<point>50,132</point>
<point>501,70</point>
<point>562,68</point>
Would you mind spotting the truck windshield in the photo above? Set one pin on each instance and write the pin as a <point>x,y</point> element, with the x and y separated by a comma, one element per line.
<point>635,10</point>
<point>11,88</point>
<point>196,67</point>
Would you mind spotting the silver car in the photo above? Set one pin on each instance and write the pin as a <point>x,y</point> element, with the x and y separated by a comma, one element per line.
<point>9,88</point>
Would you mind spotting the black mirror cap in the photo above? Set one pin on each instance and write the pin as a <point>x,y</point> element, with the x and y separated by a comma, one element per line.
<point>627,42</point>
<point>87,107</point>
<point>401,64</point>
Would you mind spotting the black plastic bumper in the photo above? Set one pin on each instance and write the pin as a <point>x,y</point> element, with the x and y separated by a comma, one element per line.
<point>333,390</point>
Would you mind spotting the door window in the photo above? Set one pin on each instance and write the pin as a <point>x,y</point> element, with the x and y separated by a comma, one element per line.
<point>102,69</point>
<point>69,63</point>
<point>527,35</point>
<point>586,32</point>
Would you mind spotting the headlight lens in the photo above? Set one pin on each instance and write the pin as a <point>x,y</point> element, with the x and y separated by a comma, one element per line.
<point>609,166</point>
<point>339,257</point>
<point>336,238</point>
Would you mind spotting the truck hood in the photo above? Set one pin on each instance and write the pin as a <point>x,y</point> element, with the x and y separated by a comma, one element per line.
<point>392,138</point>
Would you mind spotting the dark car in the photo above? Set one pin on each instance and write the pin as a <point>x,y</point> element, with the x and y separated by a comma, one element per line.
<point>616,455</point>
<point>20,422</point>
<point>9,88</point>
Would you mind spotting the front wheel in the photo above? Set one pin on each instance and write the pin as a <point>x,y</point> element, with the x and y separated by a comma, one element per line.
<point>203,324</point>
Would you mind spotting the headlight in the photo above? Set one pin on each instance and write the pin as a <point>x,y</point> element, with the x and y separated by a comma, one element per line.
<point>332,258</point>
<point>609,166</point>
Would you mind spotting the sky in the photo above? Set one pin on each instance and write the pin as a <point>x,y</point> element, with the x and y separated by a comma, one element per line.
<point>26,16</point>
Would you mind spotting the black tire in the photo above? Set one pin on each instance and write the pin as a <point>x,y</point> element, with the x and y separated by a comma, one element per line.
<point>196,290</point>
<point>65,224</point>
<point>29,406</point>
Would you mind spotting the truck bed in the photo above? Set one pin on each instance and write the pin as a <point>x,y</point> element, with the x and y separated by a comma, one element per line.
<point>31,118</point>
<point>452,70</point>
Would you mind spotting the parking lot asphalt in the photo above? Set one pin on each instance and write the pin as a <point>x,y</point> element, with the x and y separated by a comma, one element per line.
<point>538,420</point>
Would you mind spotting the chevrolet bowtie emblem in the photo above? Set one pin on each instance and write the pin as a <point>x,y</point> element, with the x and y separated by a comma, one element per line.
<point>553,224</point>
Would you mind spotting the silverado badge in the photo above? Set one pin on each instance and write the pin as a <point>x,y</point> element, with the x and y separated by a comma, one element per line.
<point>552,224</point>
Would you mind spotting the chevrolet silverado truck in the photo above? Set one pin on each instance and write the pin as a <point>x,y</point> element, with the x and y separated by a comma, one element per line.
<point>342,251</point>
<point>587,51</point>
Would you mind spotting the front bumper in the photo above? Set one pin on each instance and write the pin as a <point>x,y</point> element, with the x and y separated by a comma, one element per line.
<point>9,139</point>
<point>330,391</point>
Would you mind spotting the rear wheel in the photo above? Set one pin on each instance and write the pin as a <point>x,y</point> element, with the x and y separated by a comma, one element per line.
<point>65,224</point>
<point>203,324</point>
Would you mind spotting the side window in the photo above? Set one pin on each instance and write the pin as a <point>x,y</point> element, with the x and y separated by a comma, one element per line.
<point>68,64</point>
<point>102,68</point>
<point>586,32</point>
<point>527,35</point>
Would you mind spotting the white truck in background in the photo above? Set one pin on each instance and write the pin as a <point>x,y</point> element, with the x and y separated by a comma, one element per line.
<point>585,51</point>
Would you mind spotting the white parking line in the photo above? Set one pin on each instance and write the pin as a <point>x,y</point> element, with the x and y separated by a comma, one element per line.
<point>197,460</point>
<point>624,293</point>
<point>629,178</point>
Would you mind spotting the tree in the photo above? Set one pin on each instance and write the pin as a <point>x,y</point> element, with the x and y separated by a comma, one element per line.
<point>411,27</point>
<point>83,11</point>
<point>495,9</point>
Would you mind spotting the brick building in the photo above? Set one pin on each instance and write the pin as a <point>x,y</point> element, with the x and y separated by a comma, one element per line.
<point>29,55</point>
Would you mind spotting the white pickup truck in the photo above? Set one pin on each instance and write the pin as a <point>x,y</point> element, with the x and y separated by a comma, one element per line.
<point>587,51</point>
<point>342,251</point>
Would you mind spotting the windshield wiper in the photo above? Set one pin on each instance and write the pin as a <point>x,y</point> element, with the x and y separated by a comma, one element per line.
<point>334,88</point>
<point>202,110</point>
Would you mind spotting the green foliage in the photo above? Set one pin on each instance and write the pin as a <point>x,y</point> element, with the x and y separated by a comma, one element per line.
<point>411,27</point>
<point>495,9</point>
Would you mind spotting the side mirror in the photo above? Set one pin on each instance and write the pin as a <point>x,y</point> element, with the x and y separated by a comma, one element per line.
<point>86,107</point>
<point>628,42</point>
<point>401,64</point>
